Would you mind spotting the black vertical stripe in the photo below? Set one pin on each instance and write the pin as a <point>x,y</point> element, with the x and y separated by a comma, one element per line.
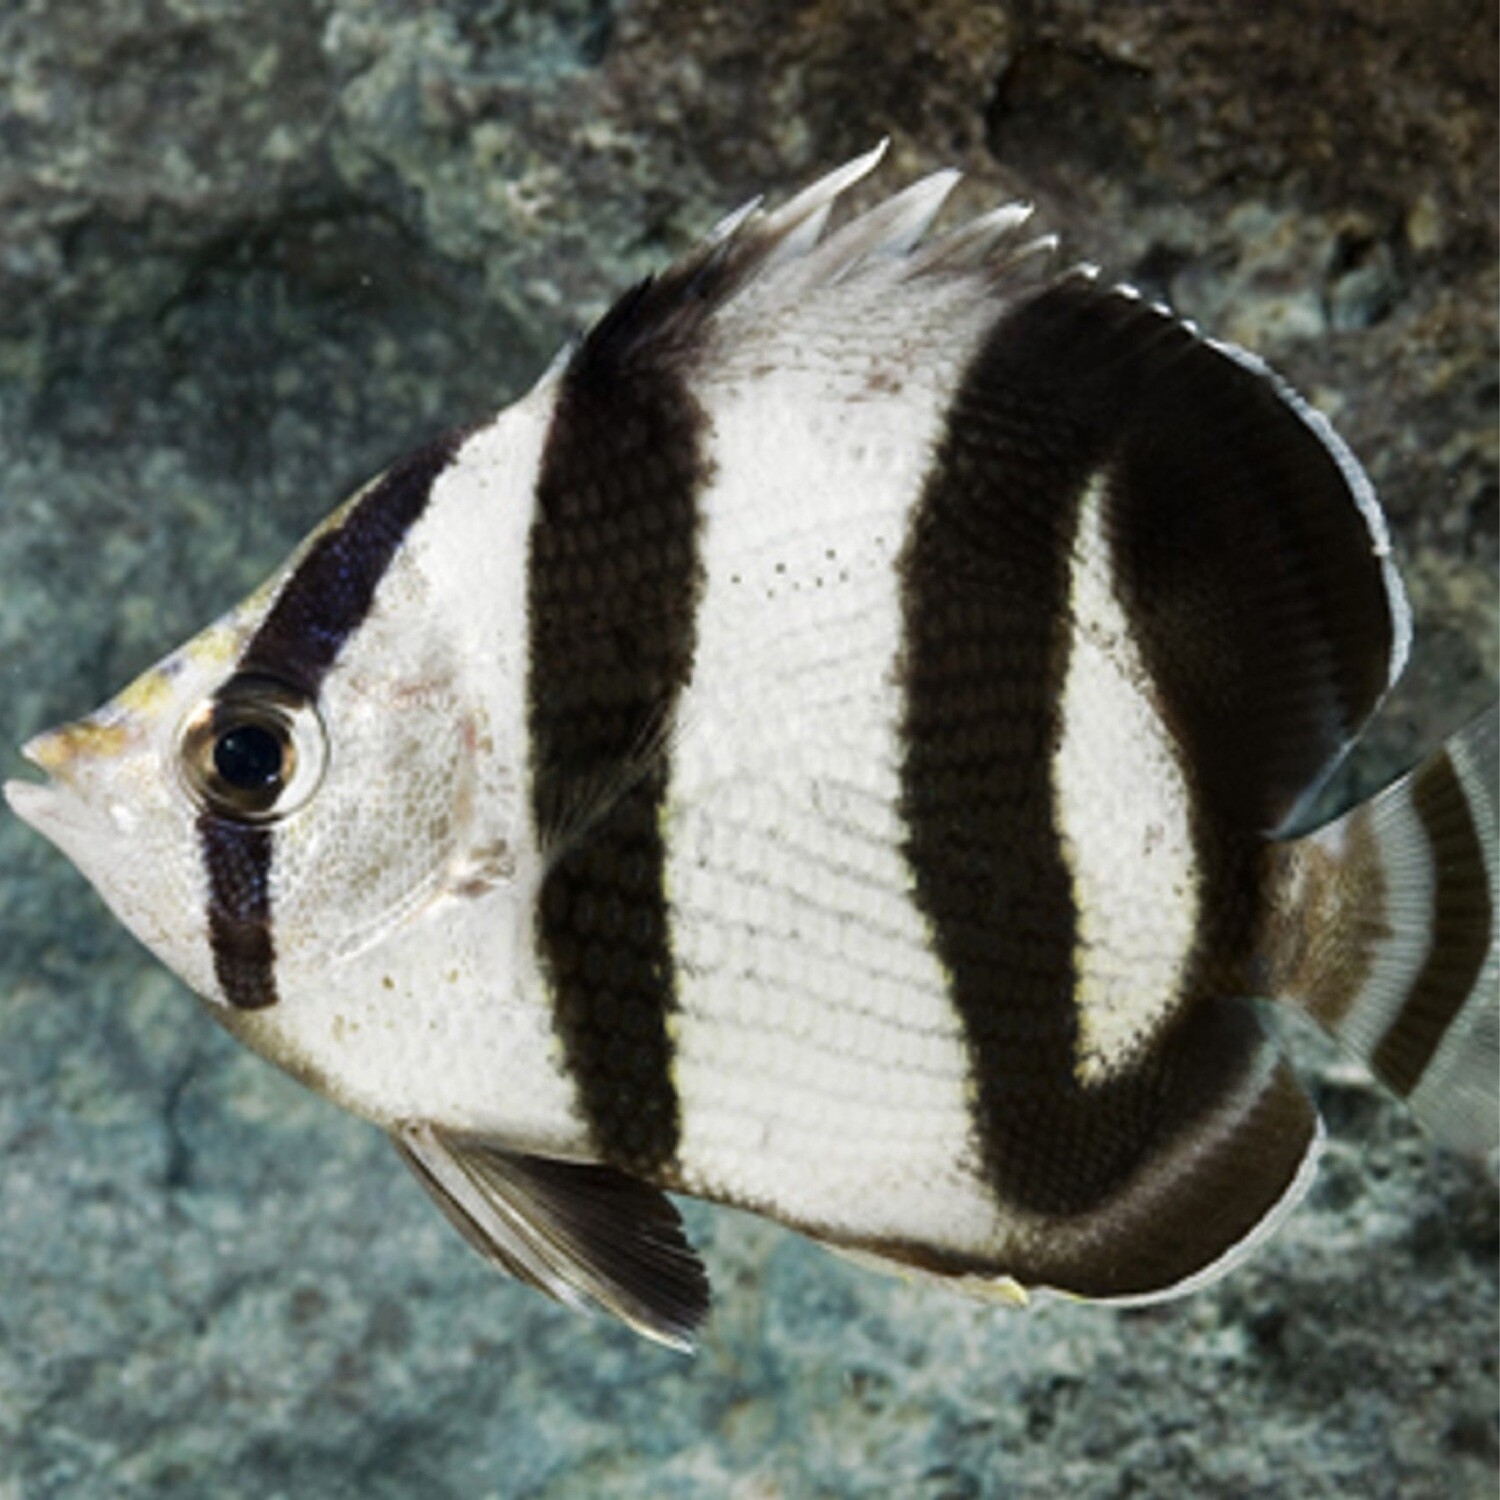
<point>613,585</point>
<point>985,581</point>
<point>319,607</point>
<point>238,860</point>
<point>1248,576</point>
<point>1262,617</point>
<point>1462,928</point>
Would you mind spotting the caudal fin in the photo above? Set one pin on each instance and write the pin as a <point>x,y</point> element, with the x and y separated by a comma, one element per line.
<point>1385,933</point>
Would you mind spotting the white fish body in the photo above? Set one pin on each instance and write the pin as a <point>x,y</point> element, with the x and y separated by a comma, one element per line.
<point>812,753</point>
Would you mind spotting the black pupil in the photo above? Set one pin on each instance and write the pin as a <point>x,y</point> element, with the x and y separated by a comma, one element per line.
<point>248,757</point>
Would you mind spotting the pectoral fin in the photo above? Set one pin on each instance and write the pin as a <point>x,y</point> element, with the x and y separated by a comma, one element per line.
<point>587,1235</point>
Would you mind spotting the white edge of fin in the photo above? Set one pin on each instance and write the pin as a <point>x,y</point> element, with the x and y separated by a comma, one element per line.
<point>1359,486</point>
<point>589,1236</point>
<point>1235,1255</point>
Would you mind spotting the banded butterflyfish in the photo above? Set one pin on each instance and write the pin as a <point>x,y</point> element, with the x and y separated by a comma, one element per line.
<point>835,747</point>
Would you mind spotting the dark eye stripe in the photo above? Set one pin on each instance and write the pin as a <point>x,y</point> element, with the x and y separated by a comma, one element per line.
<point>238,859</point>
<point>327,598</point>
<point>319,608</point>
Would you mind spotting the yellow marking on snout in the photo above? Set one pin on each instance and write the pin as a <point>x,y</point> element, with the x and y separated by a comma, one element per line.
<point>146,695</point>
<point>58,748</point>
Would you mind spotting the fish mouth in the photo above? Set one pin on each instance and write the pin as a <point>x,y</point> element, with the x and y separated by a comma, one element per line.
<point>40,805</point>
<point>33,802</point>
<point>52,807</point>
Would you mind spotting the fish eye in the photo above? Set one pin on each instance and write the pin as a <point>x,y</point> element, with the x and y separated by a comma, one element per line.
<point>251,757</point>
<point>254,752</point>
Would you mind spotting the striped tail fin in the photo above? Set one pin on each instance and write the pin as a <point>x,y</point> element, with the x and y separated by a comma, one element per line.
<point>1384,931</point>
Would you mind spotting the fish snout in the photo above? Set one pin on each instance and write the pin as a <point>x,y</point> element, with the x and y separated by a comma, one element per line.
<point>81,761</point>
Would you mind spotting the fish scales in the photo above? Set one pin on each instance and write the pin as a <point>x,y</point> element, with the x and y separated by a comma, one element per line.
<point>824,740</point>
<point>825,750</point>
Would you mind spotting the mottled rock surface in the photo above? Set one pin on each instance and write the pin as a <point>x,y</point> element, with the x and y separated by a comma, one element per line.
<point>248,252</point>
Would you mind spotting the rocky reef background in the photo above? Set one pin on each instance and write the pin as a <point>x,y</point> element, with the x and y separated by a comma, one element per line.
<point>251,251</point>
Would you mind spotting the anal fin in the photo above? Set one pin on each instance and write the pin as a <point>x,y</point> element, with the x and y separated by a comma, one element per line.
<point>585,1234</point>
<point>1234,1151</point>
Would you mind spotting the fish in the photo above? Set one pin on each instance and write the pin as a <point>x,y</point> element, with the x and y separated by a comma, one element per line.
<point>842,745</point>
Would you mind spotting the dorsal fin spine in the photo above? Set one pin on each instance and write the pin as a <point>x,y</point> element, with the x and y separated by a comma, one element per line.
<point>786,254</point>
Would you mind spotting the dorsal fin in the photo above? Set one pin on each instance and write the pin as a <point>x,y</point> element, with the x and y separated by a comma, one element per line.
<point>1244,540</point>
<point>787,254</point>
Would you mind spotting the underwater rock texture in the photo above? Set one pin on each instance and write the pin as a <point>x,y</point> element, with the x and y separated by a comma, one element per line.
<point>250,252</point>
